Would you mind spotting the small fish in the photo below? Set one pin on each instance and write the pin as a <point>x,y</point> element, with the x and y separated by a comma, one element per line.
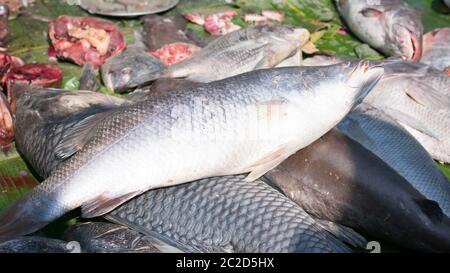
<point>241,51</point>
<point>248,123</point>
<point>436,48</point>
<point>111,238</point>
<point>388,140</point>
<point>33,244</point>
<point>391,26</point>
<point>123,71</point>
<point>338,180</point>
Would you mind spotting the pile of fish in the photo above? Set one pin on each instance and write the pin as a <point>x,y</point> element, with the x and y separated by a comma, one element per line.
<point>263,152</point>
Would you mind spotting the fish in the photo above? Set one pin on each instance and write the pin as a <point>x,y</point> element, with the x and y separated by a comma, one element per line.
<point>226,214</point>
<point>415,95</point>
<point>102,237</point>
<point>436,48</point>
<point>35,244</point>
<point>88,78</point>
<point>123,71</point>
<point>190,134</point>
<point>390,26</point>
<point>240,51</point>
<point>338,180</point>
<point>387,139</point>
<point>418,97</point>
<point>207,229</point>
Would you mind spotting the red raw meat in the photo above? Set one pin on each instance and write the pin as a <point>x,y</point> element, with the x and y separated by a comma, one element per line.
<point>175,53</point>
<point>216,23</point>
<point>85,40</point>
<point>6,124</point>
<point>36,75</point>
<point>7,62</point>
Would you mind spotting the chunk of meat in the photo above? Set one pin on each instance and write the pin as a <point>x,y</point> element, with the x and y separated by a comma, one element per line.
<point>216,23</point>
<point>175,53</point>
<point>85,40</point>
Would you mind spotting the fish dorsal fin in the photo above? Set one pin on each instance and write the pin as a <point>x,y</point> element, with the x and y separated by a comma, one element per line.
<point>431,209</point>
<point>103,204</point>
<point>427,96</point>
<point>78,135</point>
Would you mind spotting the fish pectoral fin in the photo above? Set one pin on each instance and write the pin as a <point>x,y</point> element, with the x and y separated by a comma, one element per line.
<point>104,204</point>
<point>77,136</point>
<point>350,124</point>
<point>343,233</point>
<point>427,96</point>
<point>267,163</point>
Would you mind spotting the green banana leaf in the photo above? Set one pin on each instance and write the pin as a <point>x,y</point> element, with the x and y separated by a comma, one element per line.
<point>28,40</point>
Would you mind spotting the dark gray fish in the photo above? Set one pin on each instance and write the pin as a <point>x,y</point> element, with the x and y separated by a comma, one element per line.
<point>388,140</point>
<point>245,124</point>
<point>32,244</point>
<point>88,79</point>
<point>123,71</point>
<point>338,180</point>
<point>226,214</point>
<point>111,238</point>
<point>391,26</point>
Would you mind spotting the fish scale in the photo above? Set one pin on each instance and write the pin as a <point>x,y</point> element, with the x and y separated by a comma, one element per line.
<point>255,218</point>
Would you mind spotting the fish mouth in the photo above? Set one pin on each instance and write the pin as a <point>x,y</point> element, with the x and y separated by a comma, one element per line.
<point>410,44</point>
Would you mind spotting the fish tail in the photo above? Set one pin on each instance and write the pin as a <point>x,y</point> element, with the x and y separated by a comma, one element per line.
<point>26,216</point>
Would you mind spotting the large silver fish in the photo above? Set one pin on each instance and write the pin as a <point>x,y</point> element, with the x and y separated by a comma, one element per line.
<point>436,48</point>
<point>167,213</point>
<point>245,124</point>
<point>391,26</point>
<point>388,140</point>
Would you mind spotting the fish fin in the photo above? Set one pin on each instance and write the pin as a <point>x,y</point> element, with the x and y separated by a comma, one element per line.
<point>430,208</point>
<point>267,163</point>
<point>343,233</point>
<point>77,136</point>
<point>405,119</point>
<point>350,127</point>
<point>427,96</point>
<point>103,204</point>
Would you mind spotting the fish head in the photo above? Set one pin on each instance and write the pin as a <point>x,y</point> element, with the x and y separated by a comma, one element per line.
<point>124,73</point>
<point>357,78</point>
<point>286,34</point>
<point>406,33</point>
<point>392,27</point>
